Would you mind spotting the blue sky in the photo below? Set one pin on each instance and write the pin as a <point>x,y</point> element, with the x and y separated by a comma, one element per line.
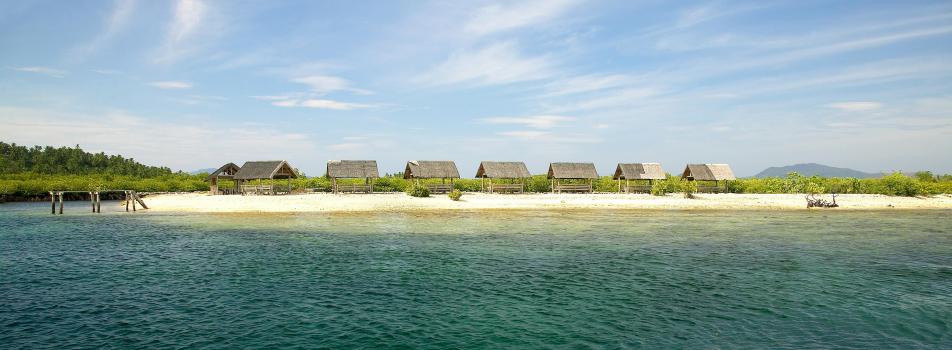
<point>193,84</point>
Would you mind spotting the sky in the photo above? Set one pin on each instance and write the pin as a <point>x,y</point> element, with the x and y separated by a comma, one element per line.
<point>194,84</point>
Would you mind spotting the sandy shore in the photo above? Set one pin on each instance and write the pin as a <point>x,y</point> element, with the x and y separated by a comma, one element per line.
<point>195,202</point>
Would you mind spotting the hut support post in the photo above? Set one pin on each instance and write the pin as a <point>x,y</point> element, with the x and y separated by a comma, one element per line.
<point>289,185</point>
<point>334,185</point>
<point>627,186</point>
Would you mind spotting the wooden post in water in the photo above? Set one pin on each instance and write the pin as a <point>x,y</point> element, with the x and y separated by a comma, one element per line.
<point>98,203</point>
<point>127,200</point>
<point>52,203</point>
<point>92,200</point>
<point>61,202</point>
<point>133,194</point>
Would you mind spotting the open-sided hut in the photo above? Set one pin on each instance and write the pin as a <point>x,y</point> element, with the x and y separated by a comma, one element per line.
<point>643,174</point>
<point>417,170</point>
<point>252,175</point>
<point>572,171</point>
<point>352,169</point>
<point>225,173</point>
<point>706,173</point>
<point>513,172</point>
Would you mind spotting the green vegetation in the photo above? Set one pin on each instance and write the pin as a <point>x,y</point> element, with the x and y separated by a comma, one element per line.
<point>418,190</point>
<point>455,194</point>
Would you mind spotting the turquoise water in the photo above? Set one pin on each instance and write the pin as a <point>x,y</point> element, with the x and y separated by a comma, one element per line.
<point>529,279</point>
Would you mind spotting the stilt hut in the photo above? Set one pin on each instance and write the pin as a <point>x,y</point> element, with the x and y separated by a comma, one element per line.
<point>258,177</point>
<point>515,173</point>
<point>576,172</point>
<point>643,174</point>
<point>709,176</point>
<point>225,173</point>
<point>352,169</point>
<point>417,170</point>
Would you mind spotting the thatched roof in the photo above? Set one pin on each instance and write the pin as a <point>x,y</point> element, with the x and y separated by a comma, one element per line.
<point>502,170</point>
<point>639,171</point>
<point>269,169</point>
<point>431,169</point>
<point>708,172</point>
<point>572,171</point>
<point>357,169</point>
<point>226,171</point>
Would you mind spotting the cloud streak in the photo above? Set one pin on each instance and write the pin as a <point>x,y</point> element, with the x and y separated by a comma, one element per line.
<point>50,72</point>
<point>171,85</point>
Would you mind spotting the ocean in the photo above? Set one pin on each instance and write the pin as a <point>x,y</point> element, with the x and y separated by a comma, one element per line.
<point>475,280</point>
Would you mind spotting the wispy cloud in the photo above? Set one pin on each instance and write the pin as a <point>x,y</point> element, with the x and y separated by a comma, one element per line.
<point>320,104</point>
<point>171,84</point>
<point>499,63</point>
<point>858,106</point>
<point>107,71</point>
<point>323,84</point>
<point>117,20</point>
<point>506,16</point>
<point>548,136</point>
<point>193,26</point>
<point>611,99</point>
<point>585,83</point>
<point>537,122</point>
<point>55,73</point>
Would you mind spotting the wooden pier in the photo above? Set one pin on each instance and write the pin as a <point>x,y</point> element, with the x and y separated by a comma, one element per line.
<point>95,199</point>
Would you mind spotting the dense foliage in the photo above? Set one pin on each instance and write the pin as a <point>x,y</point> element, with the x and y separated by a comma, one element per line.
<point>48,160</point>
<point>416,190</point>
<point>455,194</point>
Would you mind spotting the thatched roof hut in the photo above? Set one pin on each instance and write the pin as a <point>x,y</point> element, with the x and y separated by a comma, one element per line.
<point>503,170</point>
<point>352,169</point>
<point>708,172</point>
<point>225,172</point>
<point>264,170</point>
<point>431,169</point>
<point>639,171</point>
<point>572,171</point>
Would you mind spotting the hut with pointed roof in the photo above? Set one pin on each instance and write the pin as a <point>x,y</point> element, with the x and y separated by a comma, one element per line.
<point>420,170</point>
<point>512,176</point>
<point>225,173</point>
<point>643,174</point>
<point>352,169</point>
<point>258,177</point>
<point>576,173</point>
<point>709,176</point>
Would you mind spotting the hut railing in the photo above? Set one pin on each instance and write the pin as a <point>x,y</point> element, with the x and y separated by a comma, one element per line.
<point>506,188</point>
<point>440,188</point>
<point>354,188</point>
<point>559,188</point>
<point>257,189</point>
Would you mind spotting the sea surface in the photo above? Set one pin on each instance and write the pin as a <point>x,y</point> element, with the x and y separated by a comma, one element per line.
<point>475,280</point>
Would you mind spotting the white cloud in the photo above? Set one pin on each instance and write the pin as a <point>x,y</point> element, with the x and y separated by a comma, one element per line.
<point>499,17</point>
<point>171,84</point>
<point>525,134</point>
<point>323,84</point>
<point>114,24</point>
<point>858,106</point>
<point>194,25</point>
<point>537,122</point>
<point>548,137</point>
<point>107,71</point>
<point>55,73</point>
<point>585,83</point>
<point>320,104</point>
<point>499,63</point>
<point>108,131</point>
<point>613,99</point>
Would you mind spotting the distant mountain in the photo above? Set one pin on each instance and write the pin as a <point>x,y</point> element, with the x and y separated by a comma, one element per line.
<point>199,171</point>
<point>811,169</point>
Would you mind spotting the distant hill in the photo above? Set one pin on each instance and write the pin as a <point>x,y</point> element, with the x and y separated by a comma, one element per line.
<point>811,169</point>
<point>199,171</point>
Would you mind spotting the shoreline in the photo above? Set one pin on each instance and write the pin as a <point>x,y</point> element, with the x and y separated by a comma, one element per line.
<point>400,202</point>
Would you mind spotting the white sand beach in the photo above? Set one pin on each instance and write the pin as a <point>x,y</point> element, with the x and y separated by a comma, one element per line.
<point>325,202</point>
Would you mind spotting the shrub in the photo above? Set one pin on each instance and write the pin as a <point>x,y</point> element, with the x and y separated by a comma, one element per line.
<point>660,188</point>
<point>415,190</point>
<point>897,184</point>
<point>455,194</point>
<point>687,187</point>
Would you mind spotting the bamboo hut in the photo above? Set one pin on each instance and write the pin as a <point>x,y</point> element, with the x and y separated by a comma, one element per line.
<point>572,172</point>
<point>252,176</point>
<point>514,172</point>
<point>224,173</point>
<point>639,172</point>
<point>708,173</point>
<point>417,170</point>
<point>352,169</point>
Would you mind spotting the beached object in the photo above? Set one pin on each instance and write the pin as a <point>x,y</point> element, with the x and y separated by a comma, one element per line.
<point>224,173</point>
<point>252,175</point>
<point>418,170</point>
<point>813,202</point>
<point>352,169</point>
<point>708,173</point>
<point>639,172</point>
<point>515,173</point>
<point>559,172</point>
